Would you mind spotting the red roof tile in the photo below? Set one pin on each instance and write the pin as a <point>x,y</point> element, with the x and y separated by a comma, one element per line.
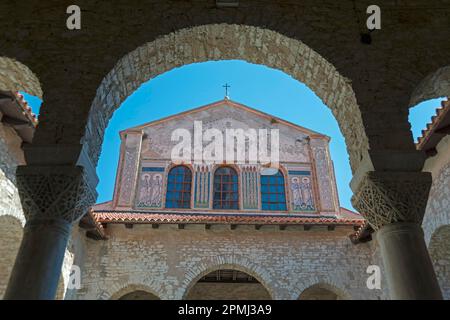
<point>436,129</point>
<point>186,218</point>
<point>26,108</point>
<point>16,111</point>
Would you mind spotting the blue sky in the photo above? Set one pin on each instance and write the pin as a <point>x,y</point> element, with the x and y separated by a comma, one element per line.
<point>257,86</point>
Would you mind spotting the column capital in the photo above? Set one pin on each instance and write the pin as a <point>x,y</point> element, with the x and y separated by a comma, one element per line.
<point>54,192</point>
<point>388,197</point>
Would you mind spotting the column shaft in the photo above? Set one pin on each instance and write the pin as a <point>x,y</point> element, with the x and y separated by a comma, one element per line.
<point>38,264</point>
<point>409,271</point>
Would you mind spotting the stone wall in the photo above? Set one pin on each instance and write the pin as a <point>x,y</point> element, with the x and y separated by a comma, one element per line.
<point>11,155</point>
<point>436,223</point>
<point>11,214</point>
<point>169,261</point>
<point>437,213</point>
<point>15,76</point>
<point>10,237</point>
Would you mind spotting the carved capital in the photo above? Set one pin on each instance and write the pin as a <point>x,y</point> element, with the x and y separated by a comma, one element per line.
<point>56,192</point>
<point>388,197</point>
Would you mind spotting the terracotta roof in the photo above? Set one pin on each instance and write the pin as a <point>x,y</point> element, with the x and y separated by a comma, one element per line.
<point>244,218</point>
<point>18,114</point>
<point>93,226</point>
<point>102,214</point>
<point>435,130</point>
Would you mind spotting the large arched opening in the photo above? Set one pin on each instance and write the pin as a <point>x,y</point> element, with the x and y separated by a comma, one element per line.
<point>228,42</point>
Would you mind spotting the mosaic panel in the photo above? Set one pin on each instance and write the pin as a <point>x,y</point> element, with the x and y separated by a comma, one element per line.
<point>150,188</point>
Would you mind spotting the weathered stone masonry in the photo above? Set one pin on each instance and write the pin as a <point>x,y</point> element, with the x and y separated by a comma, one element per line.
<point>168,261</point>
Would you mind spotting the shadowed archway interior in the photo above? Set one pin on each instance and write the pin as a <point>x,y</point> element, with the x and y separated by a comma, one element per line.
<point>139,295</point>
<point>228,284</point>
<point>322,292</point>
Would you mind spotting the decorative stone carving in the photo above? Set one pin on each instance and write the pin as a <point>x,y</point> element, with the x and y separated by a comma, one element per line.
<point>15,76</point>
<point>388,197</point>
<point>57,192</point>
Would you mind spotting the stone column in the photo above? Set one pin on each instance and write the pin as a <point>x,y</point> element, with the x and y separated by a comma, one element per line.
<point>394,205</point>
<point>52,199</point>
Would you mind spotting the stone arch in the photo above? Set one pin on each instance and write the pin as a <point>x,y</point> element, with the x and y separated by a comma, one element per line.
<point>133,288</point>
<point>196,272</point>
<point>323,291</point>
<point>228,42</point>
<point>439,249</point>
<point>15,76</point>
<point>437,213</point>
<point>434,85</point>
<point>436,222</point>
<point>330,282</point>
<point>228,288</point>
<point>11,232</point>
<point>60,292</point>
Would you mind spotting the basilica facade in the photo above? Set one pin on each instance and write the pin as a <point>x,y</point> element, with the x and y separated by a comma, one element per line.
<point>186,228</point>
<point>198,227</point>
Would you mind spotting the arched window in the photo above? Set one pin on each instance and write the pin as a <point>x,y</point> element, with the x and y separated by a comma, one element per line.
<point>273,194</point>
<point>226,193</point>
<point>179,188</point>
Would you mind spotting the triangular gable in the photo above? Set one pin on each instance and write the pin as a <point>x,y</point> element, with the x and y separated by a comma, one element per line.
<point>231,104</point>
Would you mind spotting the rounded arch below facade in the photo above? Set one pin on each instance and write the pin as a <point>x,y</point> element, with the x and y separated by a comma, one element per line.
<point>323,291</point>
<point>229,263</point>
<point>135,292</point>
